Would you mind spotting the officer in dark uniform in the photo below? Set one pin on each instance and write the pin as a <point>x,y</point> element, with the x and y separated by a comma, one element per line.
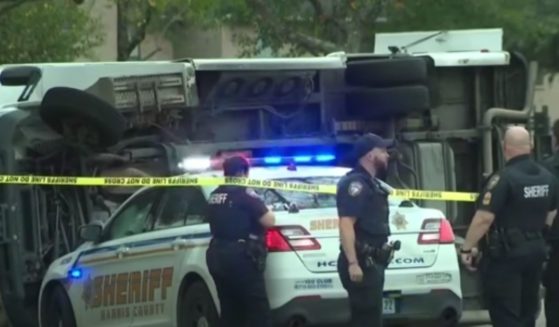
<point>512,211</point>
<point>363,211</point>
<point>550,278</point>
<point>237,254</point>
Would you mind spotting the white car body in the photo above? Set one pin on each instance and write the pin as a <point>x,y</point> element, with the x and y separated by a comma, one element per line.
<point>423,280</point>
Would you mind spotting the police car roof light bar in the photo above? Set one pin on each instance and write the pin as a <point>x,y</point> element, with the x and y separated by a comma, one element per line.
<point>197,163</point>
<point>277,160</point>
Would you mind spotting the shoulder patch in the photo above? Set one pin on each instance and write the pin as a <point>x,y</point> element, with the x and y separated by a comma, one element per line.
<point>355,188</point>
<point>493,181</point>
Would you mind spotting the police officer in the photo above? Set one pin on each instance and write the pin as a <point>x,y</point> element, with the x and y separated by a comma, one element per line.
<point>362,206</point>
<point>512,211</point>
<point>236,255</point>
<point>550,278</point>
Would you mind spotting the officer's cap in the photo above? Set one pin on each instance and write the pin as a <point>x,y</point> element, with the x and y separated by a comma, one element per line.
<point>368,142</point>
<point>235,165</point>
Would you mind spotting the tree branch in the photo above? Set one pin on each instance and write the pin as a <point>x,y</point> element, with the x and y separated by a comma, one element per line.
<point>374,11</point>
<point>140,33</point>
<point>324,18</point>
<point>310,43</point>
<point>151,54</point>
<point>129,36</point>
<point>121,31</point>
<point>4,9</point>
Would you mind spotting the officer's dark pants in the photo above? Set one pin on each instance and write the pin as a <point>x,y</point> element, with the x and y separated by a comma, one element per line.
<point>551,283</point>
<point>240,286</point>
<point>365,298</point>
<point>511,286</point>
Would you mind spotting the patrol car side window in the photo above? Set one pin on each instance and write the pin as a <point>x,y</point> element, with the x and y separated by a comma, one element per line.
<point>181,206</point>
<point>135,218</point>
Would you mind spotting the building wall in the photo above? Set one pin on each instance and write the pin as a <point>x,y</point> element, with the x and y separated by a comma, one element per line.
<point>193,42</point>
<point>547,95</point>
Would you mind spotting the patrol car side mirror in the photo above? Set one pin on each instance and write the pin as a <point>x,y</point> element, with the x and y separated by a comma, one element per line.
<point>91,232</point>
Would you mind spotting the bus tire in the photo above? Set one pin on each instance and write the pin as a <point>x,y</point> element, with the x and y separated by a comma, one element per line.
<point>61,103</point>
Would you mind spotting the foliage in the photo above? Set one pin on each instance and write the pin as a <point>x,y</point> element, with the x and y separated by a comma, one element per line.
<point>46,31</point>
<point>137,18</point>
<point>531,27</point>
<point>321,26</point>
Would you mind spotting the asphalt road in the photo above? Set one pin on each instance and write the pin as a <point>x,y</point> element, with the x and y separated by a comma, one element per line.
<point>475,318</point>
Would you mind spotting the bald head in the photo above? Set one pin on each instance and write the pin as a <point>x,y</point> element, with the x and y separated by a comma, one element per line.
<point>516,142</point>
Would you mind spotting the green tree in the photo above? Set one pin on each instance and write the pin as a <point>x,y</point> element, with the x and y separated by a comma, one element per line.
<point>322,26</point>
<point>46,31</point>
<point>135,19</point>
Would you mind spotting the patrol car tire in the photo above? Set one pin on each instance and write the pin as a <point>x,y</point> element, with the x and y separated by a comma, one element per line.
<point>377,103</point>
<point>65,102</point>
<point>387,72</point>
<point>197,304</point>
<point>59,309</point>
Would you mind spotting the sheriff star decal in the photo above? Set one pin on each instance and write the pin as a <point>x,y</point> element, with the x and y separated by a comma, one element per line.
<point>399,221</point>
<point>355,188</point>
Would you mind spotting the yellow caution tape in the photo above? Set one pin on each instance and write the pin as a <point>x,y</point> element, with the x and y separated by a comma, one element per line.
<point>213,181</point>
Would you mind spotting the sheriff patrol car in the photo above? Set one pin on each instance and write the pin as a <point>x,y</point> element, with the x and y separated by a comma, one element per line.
<point>146,265</point>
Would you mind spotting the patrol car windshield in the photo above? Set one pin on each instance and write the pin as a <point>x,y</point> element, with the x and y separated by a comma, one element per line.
<point>280,200</point>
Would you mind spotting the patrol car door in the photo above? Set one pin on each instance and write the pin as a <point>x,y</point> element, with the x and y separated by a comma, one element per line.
<point>116,285</point>
<point>181,237</point>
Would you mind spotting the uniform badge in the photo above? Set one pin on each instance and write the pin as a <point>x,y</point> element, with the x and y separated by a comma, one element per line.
<point>486,198</point>
<point>355,188</point>
<point>492,182</point>
<point>399,221</point>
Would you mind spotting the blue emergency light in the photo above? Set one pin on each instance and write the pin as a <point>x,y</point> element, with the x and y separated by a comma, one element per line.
<point>277,160</point>
<point>205,163</point>
<point>75,273</point>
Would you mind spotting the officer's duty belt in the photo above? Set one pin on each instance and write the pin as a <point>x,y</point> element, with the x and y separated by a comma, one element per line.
<point>517,235</point>
<point>228,241</point>
<point>368,249</point>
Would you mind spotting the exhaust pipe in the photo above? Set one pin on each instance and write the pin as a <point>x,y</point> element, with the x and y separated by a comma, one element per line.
<point>297,321</point>
<point>448,318</point>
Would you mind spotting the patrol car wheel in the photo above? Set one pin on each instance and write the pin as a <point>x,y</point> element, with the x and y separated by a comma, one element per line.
<point>60,103</point>
<point>197,307</point>
<point>58,311</point>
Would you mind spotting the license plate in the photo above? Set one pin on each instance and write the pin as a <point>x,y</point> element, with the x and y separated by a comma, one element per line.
<point>388,306</point>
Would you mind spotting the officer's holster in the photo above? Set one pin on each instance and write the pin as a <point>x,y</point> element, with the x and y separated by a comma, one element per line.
<point>370,254</point>
<point>257,252</point>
